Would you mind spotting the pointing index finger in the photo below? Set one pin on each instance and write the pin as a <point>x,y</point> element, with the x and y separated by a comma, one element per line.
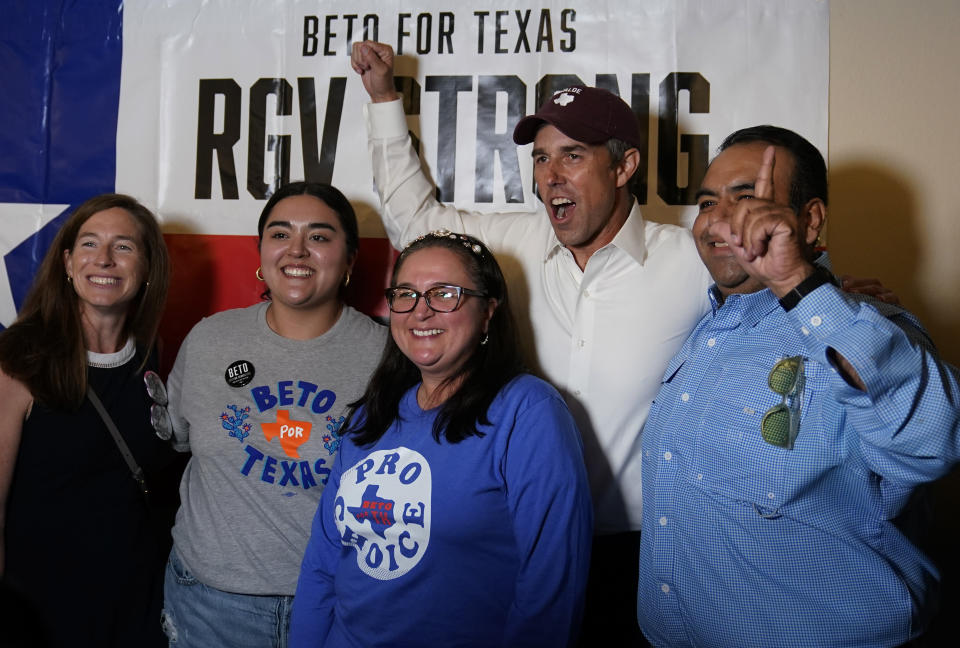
<point>763,188</point>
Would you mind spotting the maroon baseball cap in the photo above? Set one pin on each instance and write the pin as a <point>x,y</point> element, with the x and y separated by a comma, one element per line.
<point>586,114</point>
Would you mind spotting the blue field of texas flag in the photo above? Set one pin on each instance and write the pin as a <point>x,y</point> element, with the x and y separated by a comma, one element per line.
<point>60,89</point>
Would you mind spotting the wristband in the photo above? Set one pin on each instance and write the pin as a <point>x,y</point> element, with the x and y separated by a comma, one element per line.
<point>819,277</point>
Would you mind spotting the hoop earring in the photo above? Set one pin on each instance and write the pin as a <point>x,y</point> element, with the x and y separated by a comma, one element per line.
<point>346,281</point>
<point>486,338</point>
<point>258,274</point>
<point>69,280</point>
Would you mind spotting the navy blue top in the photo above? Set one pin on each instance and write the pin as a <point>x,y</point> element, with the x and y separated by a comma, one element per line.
<point>83,552</point>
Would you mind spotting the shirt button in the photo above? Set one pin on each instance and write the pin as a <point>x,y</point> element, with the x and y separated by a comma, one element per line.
<point>816,320</point>
<point>668,455</point>
<point>576,392</point>
<point>684,397</point>
<point>771,496</point>
<point>663,521</point>
<point>749,410</point>
<point>711,342</point>
<point>586,293</point>
<point>805,330</point>
<point>700,476</point>
<point>665,588</point>
<point>581,343</point>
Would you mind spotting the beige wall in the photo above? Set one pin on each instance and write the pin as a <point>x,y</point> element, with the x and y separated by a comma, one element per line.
<point>895,183</point>
<point>895,153</point>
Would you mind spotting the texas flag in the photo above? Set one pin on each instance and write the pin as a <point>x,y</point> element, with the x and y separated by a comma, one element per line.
<point>201,109</point>
<point>83,113</point>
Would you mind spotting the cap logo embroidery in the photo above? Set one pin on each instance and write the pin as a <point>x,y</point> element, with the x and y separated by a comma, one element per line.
<point>563,99</point>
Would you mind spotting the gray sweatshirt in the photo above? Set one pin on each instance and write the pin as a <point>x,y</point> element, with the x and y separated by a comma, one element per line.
<point>261,414</point>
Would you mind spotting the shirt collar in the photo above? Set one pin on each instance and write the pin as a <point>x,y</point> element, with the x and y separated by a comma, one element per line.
<point>754,307</point>
<point>115,359</point>
<point>631,238</point>
<point>747,309</point>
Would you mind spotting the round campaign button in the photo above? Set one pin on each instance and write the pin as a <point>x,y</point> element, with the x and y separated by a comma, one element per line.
<point>239,373</point>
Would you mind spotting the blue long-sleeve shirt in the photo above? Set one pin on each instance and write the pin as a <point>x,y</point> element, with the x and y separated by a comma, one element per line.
<point>485,542</point>
<point>749,544</point>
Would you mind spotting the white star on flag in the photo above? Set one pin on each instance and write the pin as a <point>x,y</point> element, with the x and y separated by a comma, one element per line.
<point>18,222</point>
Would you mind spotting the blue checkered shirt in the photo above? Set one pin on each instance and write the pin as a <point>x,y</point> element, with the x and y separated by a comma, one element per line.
<point>748,544</point>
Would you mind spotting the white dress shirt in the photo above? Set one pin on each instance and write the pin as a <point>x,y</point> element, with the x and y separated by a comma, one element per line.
<point>602,336</point>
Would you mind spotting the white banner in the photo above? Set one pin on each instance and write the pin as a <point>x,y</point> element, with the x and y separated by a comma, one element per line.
<point>222,100</point>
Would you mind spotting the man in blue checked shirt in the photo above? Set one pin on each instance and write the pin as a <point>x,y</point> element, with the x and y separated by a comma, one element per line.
<point>789,434</point>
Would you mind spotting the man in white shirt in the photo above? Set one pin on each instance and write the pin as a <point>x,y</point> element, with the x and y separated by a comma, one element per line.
<point>604,297</point>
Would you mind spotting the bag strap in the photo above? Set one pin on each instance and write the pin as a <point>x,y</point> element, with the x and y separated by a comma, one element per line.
<point>135,469</point>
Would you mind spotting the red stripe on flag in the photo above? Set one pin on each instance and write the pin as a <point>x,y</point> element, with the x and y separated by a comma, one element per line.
<point>214,273</point>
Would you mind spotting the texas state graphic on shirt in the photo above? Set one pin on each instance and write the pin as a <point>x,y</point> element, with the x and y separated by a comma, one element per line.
<point>282,411</point>
<point>292,434</point>
<point>383,510</point>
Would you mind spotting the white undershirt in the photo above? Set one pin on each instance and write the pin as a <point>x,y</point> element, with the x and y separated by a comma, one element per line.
<point>111,360</point>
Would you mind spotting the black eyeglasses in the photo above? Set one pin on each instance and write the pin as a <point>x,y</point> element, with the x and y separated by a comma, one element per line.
<point>440,299</point>
<point>159,417</point>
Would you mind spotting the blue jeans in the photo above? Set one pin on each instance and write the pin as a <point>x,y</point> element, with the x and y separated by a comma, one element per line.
<point>199,616</point>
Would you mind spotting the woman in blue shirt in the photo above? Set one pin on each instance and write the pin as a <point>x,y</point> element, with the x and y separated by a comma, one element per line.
<point>459,515</point>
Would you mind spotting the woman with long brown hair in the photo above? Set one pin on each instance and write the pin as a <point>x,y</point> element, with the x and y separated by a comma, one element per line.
<point>258,395</point>
<point>83,548</point>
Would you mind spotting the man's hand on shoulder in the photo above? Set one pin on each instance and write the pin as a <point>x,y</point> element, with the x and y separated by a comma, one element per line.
<point>870,287</point>
<point>374,63</point>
